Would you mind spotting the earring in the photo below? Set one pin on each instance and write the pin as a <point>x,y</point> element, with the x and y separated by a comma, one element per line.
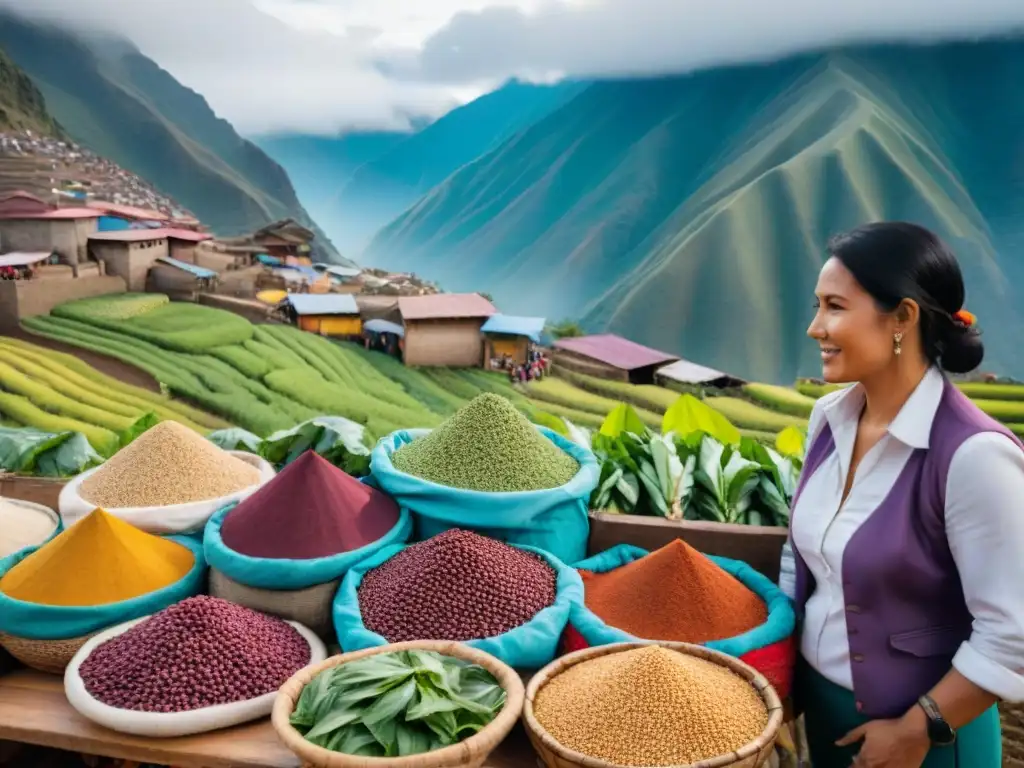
<point>897,343</point>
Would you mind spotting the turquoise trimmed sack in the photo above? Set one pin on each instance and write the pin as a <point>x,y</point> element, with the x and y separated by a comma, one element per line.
<point>554,520</point>
<point>282,574</point>
<point>58,622</point>
<point>769,648</point>
<point>529,646</point>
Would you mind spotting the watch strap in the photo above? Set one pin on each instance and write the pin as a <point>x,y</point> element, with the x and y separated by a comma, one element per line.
<point>931,709</point>
<point>940,732</point>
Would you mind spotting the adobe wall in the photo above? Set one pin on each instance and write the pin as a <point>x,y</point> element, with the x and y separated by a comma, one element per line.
<point>131,261</point>
<point>68,238</point>
<point>27,298</point>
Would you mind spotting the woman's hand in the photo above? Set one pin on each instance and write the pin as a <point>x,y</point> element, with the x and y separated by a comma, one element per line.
<point>900,743</point>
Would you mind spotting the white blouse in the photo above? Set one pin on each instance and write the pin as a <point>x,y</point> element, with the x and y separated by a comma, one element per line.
<point>984,525</point>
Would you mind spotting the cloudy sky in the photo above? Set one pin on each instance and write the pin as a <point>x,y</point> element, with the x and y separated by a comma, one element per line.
<point>321,66</point>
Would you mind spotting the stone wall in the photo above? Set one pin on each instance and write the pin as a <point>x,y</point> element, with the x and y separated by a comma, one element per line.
<point>26,298</point>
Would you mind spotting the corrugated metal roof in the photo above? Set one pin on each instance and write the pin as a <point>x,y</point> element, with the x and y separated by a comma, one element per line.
<point>531,327</point>
<point>337,270</point>
<point>445,306</point>
<point>201,272</point>
<point>686,372</point>
<point>22,258</point>
<point>615,351</point>
<point>323,303</point>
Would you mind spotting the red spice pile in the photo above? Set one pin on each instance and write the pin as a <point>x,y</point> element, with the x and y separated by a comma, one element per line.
<point>310,509</point>
<point>674,593</point>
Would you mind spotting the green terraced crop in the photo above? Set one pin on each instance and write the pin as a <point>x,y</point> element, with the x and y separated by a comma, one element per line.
<point>746,415</point>
<point>114,306</point>
<point>434,397</point>
<point>782,399</point>
<point>313,353</point>
<point>654,399</point>
<point>83,376</point>
<point>577,417</point>
<point>560,392</point>
<point>23,411</point>
<point>814,390</point>
<point>283,356</point>
<point>983,391</point>
<point>249,363</point>
<point>1007,411</point>
<point>178,326</point>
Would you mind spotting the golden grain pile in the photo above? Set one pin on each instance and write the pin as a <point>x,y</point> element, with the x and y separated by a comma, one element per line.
<point>650,707</point>
<point>168,464</point>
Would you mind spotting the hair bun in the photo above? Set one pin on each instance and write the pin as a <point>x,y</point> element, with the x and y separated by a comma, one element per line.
<point>962,349</point>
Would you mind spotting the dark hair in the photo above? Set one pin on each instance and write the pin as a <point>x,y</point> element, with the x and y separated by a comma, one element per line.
<point>893,261</point>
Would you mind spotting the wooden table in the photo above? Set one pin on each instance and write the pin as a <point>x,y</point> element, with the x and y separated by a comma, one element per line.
<point>33,710</point>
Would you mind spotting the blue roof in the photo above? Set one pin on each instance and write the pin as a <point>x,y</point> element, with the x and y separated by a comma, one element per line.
<point>531,327</point>
<point>266,258</point>
<point>184,265</point>
<point>384,326</point>
<point>323,303</point>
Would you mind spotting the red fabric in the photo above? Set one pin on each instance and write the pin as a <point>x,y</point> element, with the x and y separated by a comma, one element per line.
<point>775,661</point>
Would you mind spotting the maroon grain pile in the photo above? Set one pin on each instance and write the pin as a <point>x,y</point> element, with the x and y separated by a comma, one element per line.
<point>457,585</point>
<point>311,509</point>
<point>197,653</point>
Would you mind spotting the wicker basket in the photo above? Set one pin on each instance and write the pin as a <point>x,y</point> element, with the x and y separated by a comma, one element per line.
<point>50,656</point>
<point>311,607</point>
<point>470,753</point>
<point>755,754</point>
<point>1012,716</point>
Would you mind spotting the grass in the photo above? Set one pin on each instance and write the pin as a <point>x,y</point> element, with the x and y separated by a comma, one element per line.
<point>781,399</point>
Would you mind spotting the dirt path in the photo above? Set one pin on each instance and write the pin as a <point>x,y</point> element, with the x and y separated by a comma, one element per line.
<point>123,372</point>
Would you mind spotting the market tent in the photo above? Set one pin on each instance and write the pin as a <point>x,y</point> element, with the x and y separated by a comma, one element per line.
<point>23,259</point>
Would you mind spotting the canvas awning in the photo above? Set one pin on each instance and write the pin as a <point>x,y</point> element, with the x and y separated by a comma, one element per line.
<point>23,258</point>
<point>384,326</point>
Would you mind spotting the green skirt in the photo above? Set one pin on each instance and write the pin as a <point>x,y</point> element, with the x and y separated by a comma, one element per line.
<point>830,713</point>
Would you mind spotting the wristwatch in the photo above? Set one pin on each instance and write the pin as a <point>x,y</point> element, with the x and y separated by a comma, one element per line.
<point>940,733</point>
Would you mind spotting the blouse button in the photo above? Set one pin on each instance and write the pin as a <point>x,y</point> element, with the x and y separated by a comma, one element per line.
<point>853,608</point>
<point>858,657</point>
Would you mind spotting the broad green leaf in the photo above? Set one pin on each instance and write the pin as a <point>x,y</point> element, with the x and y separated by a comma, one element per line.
<point>386,733</point>
<point>790,442</point>
<point>552,422</point>
<point>412,739</point>
<point>622,419</point>
<point>390,704</point>
<point>443,724</point>
<point>337,718</point>
<point>688,415</point>
<point>357,740</point>
<point>629,487</point>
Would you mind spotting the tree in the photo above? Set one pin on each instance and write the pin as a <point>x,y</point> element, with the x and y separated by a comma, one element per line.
<point>564,329</point>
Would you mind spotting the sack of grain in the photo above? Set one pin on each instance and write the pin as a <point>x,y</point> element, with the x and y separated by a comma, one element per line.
<point>488,469</point>
<point>169,480</point>
<point>510,601</point>
<point>717,602</point>
<point>97,574</point>
<point>24,524</point>
<point>284,549</point>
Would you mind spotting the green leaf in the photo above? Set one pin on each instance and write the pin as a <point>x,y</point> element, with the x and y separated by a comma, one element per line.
<point>412,740</point>
<point>357,740</point>
<point>622,419</point>
<point>554,423</point>
<point>337,718</point>
<point>790,442</point>
<point>629,487</point>
<point>688,415</point>
<point>386,733</point>
<point>391,703</point>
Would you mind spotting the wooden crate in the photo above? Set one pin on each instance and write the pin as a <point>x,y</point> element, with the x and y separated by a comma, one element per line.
<point>757,545</point>
<point>41,490</point>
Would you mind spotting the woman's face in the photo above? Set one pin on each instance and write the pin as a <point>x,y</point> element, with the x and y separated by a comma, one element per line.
<point>855,337</point>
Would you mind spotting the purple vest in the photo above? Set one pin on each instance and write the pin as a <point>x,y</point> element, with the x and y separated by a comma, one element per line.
<point>905,610</point>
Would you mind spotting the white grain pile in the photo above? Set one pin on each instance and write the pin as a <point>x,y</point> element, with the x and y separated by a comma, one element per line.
<point>168,464</point>
<point>22,525</point>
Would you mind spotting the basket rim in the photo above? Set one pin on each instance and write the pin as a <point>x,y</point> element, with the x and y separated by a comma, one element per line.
<point>768,695</point>
<point>479,744</point>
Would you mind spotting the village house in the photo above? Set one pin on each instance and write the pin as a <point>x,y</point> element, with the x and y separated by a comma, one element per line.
<point>117,217</point>
<point>179,279</point>
<point>30,224</point>
<point>507,337</point>
<point>611,357</point>
<point>443,329</point>
<point>130,253</point>
<point>682,375</point>
<point>329,314</point>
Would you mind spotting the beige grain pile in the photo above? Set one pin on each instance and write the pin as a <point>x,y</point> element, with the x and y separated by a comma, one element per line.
<point>650,707</point>
<point>23,525</point>
<point>168,464</point>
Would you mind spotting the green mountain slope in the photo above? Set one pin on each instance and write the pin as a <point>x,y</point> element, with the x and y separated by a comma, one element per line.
<point>22,106</point>
<point>384,185</point>
<point>121,105</point>
<point>691,213</point>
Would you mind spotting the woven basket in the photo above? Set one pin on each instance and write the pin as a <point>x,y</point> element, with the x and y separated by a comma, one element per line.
<point>1012,716</point>
<point>753,755</point>
<point>470,753</point>
<point>50,656</point>
<point>310,607</point>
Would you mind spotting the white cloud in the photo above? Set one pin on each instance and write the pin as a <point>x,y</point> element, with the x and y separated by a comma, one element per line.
<point>324,65</point>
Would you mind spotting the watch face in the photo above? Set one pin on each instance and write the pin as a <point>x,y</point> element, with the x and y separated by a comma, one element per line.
<point>940,733</point>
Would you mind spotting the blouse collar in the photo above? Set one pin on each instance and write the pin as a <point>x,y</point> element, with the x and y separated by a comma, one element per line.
<point>912,425</point>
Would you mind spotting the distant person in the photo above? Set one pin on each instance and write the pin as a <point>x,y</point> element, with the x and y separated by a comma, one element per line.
<point>905,550</point>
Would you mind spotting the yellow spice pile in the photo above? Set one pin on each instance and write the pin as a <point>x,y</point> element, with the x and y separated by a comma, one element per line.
<point>168,464</point>
<point>650,707</point>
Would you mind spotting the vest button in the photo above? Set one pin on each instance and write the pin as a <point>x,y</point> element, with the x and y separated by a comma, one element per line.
<point>853,608</point>
<point>860,706</point>
<point>858,657</point>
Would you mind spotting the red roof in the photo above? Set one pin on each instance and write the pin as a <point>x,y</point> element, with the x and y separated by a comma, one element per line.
<point>127,211</point>
<point>445,306</point>
<point>615,351</point>
<point>138,235</point>
<point>57,214</point>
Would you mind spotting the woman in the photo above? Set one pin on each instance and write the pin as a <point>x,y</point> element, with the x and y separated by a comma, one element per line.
<point>907,531</point>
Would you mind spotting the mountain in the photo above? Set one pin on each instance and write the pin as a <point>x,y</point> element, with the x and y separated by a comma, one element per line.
<point>381,186</point>
<point>22,106</point>
<point>691,213</point>
<point>120,104</point>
